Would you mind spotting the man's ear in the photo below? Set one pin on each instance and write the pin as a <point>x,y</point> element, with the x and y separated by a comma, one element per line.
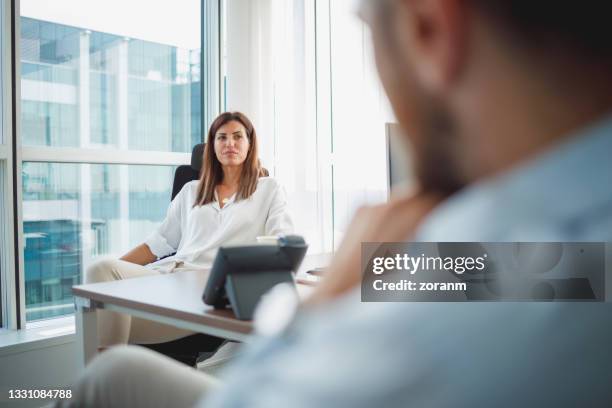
<point>433,36</point>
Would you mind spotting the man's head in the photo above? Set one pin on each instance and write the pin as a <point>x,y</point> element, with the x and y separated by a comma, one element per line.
<point>482,84</point>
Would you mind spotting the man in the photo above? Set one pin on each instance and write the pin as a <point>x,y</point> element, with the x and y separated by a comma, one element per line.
<point>506,104</point>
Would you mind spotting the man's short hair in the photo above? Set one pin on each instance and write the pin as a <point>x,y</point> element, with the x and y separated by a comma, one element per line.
<point>580,27</point>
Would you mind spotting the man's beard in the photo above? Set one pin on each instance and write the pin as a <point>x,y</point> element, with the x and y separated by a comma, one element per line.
<point>435,143</point>
<point>436,149</point>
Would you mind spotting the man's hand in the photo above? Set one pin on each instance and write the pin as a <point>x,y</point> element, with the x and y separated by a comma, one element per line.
<point>395,221</point>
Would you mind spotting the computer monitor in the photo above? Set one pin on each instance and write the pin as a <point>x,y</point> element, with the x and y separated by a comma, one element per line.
<point>399,162</point>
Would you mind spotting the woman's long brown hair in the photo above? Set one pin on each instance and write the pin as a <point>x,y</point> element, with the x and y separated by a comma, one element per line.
<point>212,172</point>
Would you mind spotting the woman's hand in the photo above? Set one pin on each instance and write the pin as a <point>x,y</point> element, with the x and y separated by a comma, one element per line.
<point>140,255</point>
<point>395,221</point>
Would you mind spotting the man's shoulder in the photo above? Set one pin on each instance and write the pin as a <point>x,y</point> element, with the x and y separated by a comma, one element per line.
<point>562,194</point>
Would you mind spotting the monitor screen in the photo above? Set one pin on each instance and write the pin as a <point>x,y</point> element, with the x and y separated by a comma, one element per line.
<point>399,168</point>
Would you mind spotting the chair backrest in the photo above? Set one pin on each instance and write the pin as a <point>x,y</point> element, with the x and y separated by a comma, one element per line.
<point>184,174</point>
<point>197,155</point>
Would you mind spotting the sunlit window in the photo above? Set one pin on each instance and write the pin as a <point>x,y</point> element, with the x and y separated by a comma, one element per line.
<point>99,75</point>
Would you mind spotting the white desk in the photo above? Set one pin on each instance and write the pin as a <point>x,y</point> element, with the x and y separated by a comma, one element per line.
<point>174,299</point>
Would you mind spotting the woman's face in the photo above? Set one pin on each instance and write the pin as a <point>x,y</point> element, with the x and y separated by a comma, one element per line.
<point>231,144</point>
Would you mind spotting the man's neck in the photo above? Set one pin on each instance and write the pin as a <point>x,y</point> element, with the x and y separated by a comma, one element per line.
<point>511,119</point>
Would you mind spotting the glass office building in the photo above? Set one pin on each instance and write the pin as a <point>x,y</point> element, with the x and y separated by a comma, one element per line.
<point>83,89</point>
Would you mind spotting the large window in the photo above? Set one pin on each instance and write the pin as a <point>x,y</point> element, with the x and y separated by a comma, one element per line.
<point>113,95</point>
<point>304,71</point>
<point>73,213</point>
<point>270,75</point>
<point>359,111</point>
<point>84,88</point>
<point>111,102</point>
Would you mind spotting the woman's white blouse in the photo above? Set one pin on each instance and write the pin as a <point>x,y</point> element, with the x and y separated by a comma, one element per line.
<point>196,233</point>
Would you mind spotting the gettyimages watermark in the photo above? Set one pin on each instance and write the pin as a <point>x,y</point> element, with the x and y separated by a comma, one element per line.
<point>484,271</point>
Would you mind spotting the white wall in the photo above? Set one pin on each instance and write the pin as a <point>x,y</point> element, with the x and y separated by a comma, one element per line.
<point>51,367</point>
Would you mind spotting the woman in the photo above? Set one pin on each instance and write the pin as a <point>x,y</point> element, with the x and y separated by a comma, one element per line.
<point>231,204</point>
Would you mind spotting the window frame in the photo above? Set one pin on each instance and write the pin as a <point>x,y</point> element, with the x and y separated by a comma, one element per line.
<point>13,155</point>
<point>8,275</point>
<point>320,25</point>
